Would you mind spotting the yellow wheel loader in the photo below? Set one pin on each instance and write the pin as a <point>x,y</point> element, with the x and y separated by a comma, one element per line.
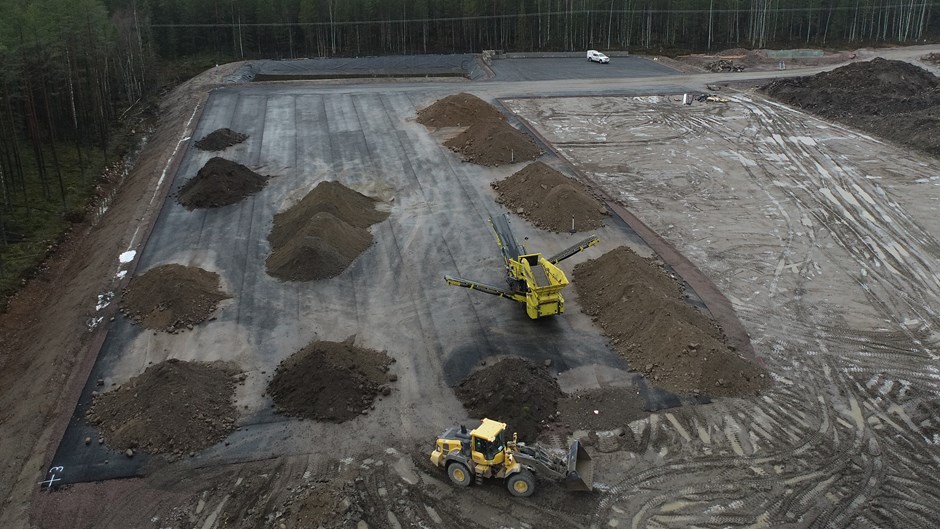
<point>533,279</point>
<point>484,452</point>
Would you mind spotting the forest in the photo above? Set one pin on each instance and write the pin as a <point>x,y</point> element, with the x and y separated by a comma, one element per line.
<point>78,73</point>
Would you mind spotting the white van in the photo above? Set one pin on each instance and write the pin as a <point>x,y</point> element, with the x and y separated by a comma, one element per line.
<point>596,56</point>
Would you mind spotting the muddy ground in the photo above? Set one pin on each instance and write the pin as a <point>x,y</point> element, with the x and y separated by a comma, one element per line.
<point>836,428</point>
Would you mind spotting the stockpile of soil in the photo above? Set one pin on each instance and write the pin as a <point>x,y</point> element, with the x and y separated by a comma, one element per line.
<point>550,200</point>
<point>600,409</point>
<point>331,381</point>
<point>891,99</point>
<point>173,407</point>
<point>220,183</point>
<point>220,139</point>
<point>172,297</point>
<point>514,391</point>
<point>493,142</point>
<point>639,307</point>
<point>458,110</point>
<point>321,235</point>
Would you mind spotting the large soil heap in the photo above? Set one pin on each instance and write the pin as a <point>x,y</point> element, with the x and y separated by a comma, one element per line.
<point>173,407</point>
<point>172,297</point>
<point>220,183</point>
<point>892,99</point>
<point>677,347</point>
<point>321,235</point>
<point>330,381</point>
<point>458,110</point>
<point>549,199</point>
<point>494,142</point>
<point>513,391</point>
<point>220,139</point>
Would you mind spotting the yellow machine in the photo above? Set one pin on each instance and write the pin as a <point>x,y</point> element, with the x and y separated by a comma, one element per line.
<point>484,452</point>
<point>533,279</point>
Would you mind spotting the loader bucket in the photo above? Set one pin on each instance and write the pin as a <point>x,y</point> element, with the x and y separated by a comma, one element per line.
<point>580,474</point>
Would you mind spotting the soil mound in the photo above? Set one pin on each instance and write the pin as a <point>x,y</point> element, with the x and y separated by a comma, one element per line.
<point>173,407</point>
<point>458,110</point>
<point>321,235</point>
<point>220,139</point>
<point>220,183</point>
<point>172,297</point>
<point>639,307</point>
<point>330,381</point>
<point>514,391</point>
<point>494,142</point>
<point>600,409</point>
<point>549,199</point>
<point>900,101</point>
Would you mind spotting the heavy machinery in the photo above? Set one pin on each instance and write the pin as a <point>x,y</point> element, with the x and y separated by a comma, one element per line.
<point>484,452</point>
<point>533,279</point>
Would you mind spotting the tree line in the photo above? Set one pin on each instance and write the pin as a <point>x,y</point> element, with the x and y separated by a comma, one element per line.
<point>319,28</point>
<point>74,70</point>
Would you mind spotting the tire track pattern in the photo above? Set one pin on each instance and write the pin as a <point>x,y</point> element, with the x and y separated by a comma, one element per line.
<point>821,247</point>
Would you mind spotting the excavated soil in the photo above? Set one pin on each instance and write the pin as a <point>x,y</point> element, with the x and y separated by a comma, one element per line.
<point>640,308</point>
<point>321,235</point>
<point>458,110</point>
<point>331,381</point>
<point>549,199</point>
<point>220,139</point>
<point>173,407</point>
<point>220,183</point>
<point>900,101</point>
<point>172,297</point>
<point>493,142</point>
<point>600,409</point>
<point>514,391</point>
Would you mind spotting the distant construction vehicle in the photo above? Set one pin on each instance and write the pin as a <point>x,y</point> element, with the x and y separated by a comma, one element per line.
<point>485,453</point>
<point>533,279</point>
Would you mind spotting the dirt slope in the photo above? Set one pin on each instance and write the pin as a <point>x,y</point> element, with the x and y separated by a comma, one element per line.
<point>674,345</point>
<point>173,408</point>
<point>898,101</point>
<point>549,199</point>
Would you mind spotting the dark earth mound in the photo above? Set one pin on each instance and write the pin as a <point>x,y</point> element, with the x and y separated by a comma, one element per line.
<point>514,391</point>
<point>330,381</point>
<point>494,142</point>
<point>220,139</point>
<point>458,110</point>
<point>220,183</point>
<point>549,199</point>
<point>173,407</point>
<point>892,99</point>
<point>600,409</point>
<point>172,297</point>
<point>640,308</point>
<point>322,234</point>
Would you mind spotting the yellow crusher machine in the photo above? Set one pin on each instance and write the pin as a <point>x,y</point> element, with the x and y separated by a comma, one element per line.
<point>484,452</point>
<point>533,279</point>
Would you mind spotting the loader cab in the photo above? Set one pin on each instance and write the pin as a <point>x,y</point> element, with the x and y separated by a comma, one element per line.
<point>489,443</point>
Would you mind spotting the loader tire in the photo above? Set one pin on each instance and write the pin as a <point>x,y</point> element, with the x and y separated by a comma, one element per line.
<point>521,484</point>
<point>459,474</point>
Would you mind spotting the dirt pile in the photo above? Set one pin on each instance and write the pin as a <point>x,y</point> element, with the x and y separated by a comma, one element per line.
<point>220,139</point>
<point>321,235</point>
<point>458,110</point>
<point>173,407</point>
<point>600,409</point>
<point>891,99</point>
<point>331,381</point>
<point>932,58</point>
<point>494,142</point>
<point>220,183</point>
<point>549,199</point>
<point>514,391</point>
<point>172,297</point>
<point>639,307</point>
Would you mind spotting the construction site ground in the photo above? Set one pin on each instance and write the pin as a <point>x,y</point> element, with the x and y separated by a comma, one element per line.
<point>822,238</point>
